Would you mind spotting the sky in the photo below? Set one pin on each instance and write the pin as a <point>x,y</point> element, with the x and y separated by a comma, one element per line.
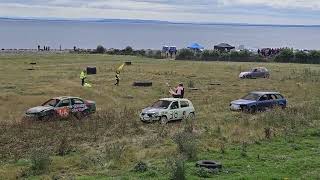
<point>294,12</point>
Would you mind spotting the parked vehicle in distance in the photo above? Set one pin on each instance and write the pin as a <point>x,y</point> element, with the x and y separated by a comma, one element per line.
<point>258,72</point>
<point>168,109</point>
<point>62,107</point>
<point>258,101</point>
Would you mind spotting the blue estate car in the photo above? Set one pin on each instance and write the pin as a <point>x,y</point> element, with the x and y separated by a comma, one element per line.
<point>258,101</point>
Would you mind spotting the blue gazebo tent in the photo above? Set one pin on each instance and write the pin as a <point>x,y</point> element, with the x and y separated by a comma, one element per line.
<point>196,46</point>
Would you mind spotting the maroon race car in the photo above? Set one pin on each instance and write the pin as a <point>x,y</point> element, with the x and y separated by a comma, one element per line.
<point>62,107</point>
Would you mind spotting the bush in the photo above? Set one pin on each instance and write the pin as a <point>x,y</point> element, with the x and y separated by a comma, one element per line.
<point>177,169</point>
<point>185,54</point>
<point>210,55</point>
<point>127,51</point>
<point>186,145</point>
<point>100,49</point>
<point>203,172</point>
<point>140,167</point>
<point>286,55</point>
<point>40,160</point>
<point>64,147</point>
<point>301,57</point>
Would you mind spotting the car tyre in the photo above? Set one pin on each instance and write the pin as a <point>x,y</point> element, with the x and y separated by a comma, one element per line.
<point>209,164</point>
<point>191,116</point>
<point>253,109</point>
<point>164,120</point>
<point>248,76</point>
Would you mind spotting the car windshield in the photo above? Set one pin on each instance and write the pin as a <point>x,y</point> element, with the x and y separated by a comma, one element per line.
<point>161,104</point>
<point>51,102</point>
<point>251,96</point>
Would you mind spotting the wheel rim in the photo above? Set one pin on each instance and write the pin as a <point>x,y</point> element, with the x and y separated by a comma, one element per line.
<point>164,120</point>
<point>191,116</point>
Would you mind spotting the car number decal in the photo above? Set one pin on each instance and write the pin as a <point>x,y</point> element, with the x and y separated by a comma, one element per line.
<point>63,112</point>
<point>173,115</point>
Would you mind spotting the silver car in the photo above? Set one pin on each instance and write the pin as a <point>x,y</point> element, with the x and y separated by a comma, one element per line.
<point>258,72</point>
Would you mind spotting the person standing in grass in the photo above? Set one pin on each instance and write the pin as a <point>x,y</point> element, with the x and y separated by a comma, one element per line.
<point>117,78</point>
<point>83,76</point>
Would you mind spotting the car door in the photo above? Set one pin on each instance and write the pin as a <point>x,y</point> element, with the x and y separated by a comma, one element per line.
<point>78,105</point>
<point>260,73</point>
<point>63,109</point>
<point>184,109</point>
<point>274,100</point>
<point>173,113</point>
<point>254,73</point>
<point>263,102</point>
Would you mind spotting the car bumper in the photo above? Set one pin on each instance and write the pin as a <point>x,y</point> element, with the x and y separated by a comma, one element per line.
<point>149,119</point>
<point>235,107</point>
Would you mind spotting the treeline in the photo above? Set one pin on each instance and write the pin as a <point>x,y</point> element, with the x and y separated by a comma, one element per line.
<point>214,55</point>
<point>126,51</point>
<point>288,55</point>
<point>285,55</point>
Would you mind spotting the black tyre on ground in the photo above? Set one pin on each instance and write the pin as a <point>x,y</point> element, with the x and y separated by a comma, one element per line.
<point>142,83</point>
<point>209,164</point>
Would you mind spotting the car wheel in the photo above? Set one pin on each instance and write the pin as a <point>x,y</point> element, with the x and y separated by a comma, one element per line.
<point>191,116</point>
<point>163,120</point>
<point>253,109</point>
<point>282,106</point>
<point>248,76</point>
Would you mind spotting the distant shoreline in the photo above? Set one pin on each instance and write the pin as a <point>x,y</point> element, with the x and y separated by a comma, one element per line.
<point>140,21</point>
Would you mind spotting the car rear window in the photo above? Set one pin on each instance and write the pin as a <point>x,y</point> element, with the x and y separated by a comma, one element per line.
<point>184,104</point>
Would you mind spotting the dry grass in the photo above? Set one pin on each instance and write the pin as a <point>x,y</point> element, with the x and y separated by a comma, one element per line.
<point>116,123</point>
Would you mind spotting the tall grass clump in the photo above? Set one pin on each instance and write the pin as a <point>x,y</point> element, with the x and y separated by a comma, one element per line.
<point>40,161</point>
<point>177,168</point>
<point>186,145</point>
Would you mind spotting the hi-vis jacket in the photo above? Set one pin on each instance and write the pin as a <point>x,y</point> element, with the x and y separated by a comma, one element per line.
<point>83,75</point>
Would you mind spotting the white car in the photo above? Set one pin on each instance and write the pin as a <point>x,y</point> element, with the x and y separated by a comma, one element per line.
<point>168,109</point>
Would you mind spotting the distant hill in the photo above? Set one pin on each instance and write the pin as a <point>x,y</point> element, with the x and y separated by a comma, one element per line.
<point>141,21</point>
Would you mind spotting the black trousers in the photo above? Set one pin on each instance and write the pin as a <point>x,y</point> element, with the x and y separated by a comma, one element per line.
<point>117,83</point>
<point>82,82</point>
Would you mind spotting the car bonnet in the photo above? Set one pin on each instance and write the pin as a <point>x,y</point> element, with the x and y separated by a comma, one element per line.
<point>242,101</point>
<point>152,110</point>
<point>39,109</point>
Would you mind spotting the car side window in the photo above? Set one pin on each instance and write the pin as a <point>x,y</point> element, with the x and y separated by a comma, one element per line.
<point>184,104</point>
<point>263,98</point>
<point>270,97</point>
<point>65,102</point>
<point>76,101</point>
<point>279,96</point>
<point>174,105</point>
<point>274,97</point>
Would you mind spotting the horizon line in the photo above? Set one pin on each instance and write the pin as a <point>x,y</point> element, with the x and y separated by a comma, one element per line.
<point>148,21</point>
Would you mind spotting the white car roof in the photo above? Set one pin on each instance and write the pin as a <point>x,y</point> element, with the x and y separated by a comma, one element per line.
<point>174,99</point>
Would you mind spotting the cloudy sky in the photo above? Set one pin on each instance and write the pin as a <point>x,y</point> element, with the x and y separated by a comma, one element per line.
<point>234,11</point>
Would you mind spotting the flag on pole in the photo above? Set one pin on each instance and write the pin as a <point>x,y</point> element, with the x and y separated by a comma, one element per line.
<point>120,67</point>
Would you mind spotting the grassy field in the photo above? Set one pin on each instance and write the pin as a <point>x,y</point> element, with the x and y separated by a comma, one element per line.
<point>111,143</point>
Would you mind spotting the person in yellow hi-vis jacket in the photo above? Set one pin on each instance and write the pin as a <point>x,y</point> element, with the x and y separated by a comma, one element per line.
<point>83,76</point>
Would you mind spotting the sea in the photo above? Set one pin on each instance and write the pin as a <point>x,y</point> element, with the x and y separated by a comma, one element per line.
<point>28,34</point>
